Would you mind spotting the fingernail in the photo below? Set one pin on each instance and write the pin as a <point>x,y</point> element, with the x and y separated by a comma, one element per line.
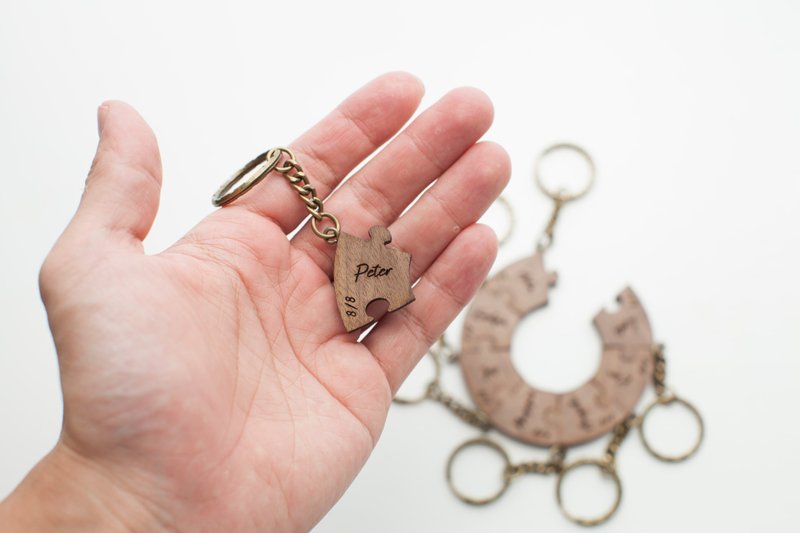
<point>102,111</point>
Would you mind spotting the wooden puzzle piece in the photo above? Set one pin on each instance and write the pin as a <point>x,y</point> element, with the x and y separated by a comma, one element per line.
<point>367,270</point>
<point>627,325</point>
<point>538,416</point>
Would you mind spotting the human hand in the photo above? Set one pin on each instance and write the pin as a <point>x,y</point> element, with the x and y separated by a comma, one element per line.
<point>212,386</point>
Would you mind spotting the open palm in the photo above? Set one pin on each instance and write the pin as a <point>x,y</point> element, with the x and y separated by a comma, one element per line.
<point>213,386</point>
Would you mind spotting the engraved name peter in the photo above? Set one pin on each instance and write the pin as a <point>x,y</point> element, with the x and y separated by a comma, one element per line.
<point>375,271</point>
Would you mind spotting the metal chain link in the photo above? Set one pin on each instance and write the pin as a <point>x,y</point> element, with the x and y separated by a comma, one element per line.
<point>659,370</point>
<point>294,173</point>
<point>553,465</point>
<point>474,418</point>
<point>444,352</point>
<point>621,430</point>
<point>546,239</point>
<point>619,433</point>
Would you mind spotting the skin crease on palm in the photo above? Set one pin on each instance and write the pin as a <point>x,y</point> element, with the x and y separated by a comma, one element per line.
<point>212,387</point>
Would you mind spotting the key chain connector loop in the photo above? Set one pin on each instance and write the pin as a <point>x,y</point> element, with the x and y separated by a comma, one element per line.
<point>503,239</point>
<point>608,469</point>
<point>329,234</point>
<point>485,442</point>
<point>246,178</point>
<point>668,399</point>
<point>561,194</point>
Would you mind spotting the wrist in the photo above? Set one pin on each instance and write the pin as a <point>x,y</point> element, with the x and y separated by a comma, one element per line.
<point>66,492</point>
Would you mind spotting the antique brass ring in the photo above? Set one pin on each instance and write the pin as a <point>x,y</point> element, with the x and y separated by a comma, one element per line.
<point>480,441</point>
<point>561,195</point>
<point>331,233</point>
<point>289,159</point>
<point>502,200</point>
<point>607,469</point>
<point>692,409</point>
<point>437,372</point>
<point>246,178</point>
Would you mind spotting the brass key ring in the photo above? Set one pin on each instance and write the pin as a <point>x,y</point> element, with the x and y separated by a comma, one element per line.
<point>666,400</point>
<point>247,177</point>
<point>501,240</point>
<point>561,195</point>
<point>607,469</point>
<point>479,441</point>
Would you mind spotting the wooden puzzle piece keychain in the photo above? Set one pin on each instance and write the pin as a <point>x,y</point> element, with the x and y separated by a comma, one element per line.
<point>504,401</point>
<point>364,270</point>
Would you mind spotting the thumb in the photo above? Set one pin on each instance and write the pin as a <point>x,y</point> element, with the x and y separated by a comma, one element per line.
<point>122,190</point>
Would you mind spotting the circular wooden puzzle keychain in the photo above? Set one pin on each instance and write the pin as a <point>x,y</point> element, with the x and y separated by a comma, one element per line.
<point>364,270</point>
<point>606,403</point>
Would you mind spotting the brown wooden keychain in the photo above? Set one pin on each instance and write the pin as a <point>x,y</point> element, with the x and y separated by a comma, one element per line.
<point>364,271</point>
<point>605,404</point>
<point>541,417</point>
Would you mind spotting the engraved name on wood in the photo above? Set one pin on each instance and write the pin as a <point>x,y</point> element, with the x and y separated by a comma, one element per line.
<point>366,270</point>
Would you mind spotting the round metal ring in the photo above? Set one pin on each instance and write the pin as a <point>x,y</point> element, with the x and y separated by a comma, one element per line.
<point>560,195</point>
<point>437,372</point>
<point>692,409</point>
<point>246,178</point>
<point>289,157</point>
<point>606,469</point>
<point>502,200</point>
<point>480,441</point>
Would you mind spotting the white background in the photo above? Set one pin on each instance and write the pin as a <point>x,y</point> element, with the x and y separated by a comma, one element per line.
<point>690,110</point>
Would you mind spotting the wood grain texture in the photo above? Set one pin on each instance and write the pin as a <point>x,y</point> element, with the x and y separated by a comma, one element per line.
<point>536,416</point>
<point>367,270</point>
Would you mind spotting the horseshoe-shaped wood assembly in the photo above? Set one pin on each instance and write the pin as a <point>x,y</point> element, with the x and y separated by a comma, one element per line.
<point>540,417</point>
